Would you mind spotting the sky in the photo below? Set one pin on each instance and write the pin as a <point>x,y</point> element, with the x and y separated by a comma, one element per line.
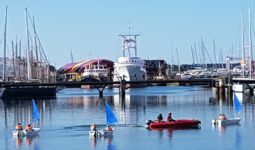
<point>90,28</point>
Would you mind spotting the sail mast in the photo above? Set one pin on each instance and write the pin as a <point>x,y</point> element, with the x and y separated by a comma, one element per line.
<point>179,67</point>
<point>37,75</point>
<point>28,49</point>
<point>243,48</point>
<point>5,28</point>
<point>250,42</point>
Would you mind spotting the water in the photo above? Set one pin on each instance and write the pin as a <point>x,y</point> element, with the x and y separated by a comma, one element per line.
<point>65,120</point>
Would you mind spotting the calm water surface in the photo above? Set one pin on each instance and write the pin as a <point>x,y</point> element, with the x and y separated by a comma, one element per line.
<point>65,120</point>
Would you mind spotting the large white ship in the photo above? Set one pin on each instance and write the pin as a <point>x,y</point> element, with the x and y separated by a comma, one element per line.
<point>129,67</point>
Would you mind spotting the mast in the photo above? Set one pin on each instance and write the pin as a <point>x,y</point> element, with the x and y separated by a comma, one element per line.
<point>192,53</point>
<point>13,61</point>
<point>20,61</point>
<point>250,42</point>
<point>38,65</point>
<point>243,48</point>
<point>179,67</point>
<point>28,49</point>
<point>214,53</point>
<point>5,28</point>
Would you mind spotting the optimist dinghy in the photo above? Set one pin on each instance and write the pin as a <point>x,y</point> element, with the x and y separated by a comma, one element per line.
<point>34,131</point>
<point>110,120</point>
<point>224,121</point>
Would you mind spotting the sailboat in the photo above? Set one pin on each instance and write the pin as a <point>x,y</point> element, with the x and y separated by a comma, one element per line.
<point>36,118</point>
<point>229,121</point>
<point>34,131</point>
<point>110,120</point>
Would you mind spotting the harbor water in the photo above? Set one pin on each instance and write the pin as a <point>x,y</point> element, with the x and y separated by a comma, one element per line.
<point>65,121</point>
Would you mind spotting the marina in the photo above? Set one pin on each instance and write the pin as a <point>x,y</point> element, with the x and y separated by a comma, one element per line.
<point>176,79</point>
<point>68,118</point>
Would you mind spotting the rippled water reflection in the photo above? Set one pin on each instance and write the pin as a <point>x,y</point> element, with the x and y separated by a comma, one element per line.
<point>65,120</point>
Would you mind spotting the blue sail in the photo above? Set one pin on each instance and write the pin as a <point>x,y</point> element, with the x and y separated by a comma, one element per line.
<point>36,115</point>
<point>238,106</point>
<point>110,117</point>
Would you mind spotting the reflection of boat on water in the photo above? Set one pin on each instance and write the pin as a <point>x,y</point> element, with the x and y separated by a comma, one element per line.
<point>129,68</point>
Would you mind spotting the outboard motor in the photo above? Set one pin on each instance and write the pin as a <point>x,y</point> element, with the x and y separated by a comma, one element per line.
<point>148,122</point>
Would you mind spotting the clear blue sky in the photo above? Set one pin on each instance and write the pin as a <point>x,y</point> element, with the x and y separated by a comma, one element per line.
<point>92,27</point>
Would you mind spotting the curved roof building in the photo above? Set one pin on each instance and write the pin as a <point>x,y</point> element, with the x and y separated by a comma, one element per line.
<point>79,67</point>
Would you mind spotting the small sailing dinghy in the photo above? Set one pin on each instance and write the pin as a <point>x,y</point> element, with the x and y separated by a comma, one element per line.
<point>224,121</point>
<point>110,120</point>
<point>34,131</point>
<point>36,118</point>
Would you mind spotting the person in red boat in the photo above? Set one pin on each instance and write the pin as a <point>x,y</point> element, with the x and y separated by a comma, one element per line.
<point>169,117</point>
<point>160,118</point>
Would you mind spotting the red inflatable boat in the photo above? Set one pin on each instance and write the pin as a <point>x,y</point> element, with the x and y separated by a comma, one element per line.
<point>182,123</point>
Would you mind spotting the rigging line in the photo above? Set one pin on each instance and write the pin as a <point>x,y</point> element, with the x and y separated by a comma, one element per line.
<point>1,41</point>
<point>40,45</point>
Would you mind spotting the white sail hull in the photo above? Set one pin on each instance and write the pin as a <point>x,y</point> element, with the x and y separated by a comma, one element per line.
<point>231,121</point>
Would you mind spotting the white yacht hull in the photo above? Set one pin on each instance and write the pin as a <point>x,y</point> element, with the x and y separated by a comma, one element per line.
<point>128,70</point>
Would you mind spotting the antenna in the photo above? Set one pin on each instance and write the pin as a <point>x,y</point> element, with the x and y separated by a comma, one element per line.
<point>129,28</point>
<point>129,42</point>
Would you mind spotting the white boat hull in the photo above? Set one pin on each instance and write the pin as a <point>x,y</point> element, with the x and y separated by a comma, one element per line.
<point>95,134</point>
<point>24,133</point>
<point>100,133</point>
<point>108,133</point>
<point>232,121</point>
<point>18,134</point>
<point>34,132</point>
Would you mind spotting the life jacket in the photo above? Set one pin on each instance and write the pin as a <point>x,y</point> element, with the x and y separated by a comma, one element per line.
<point>19,127</point>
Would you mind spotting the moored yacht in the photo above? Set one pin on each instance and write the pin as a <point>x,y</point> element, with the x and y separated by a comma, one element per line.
<point>130,67</point>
